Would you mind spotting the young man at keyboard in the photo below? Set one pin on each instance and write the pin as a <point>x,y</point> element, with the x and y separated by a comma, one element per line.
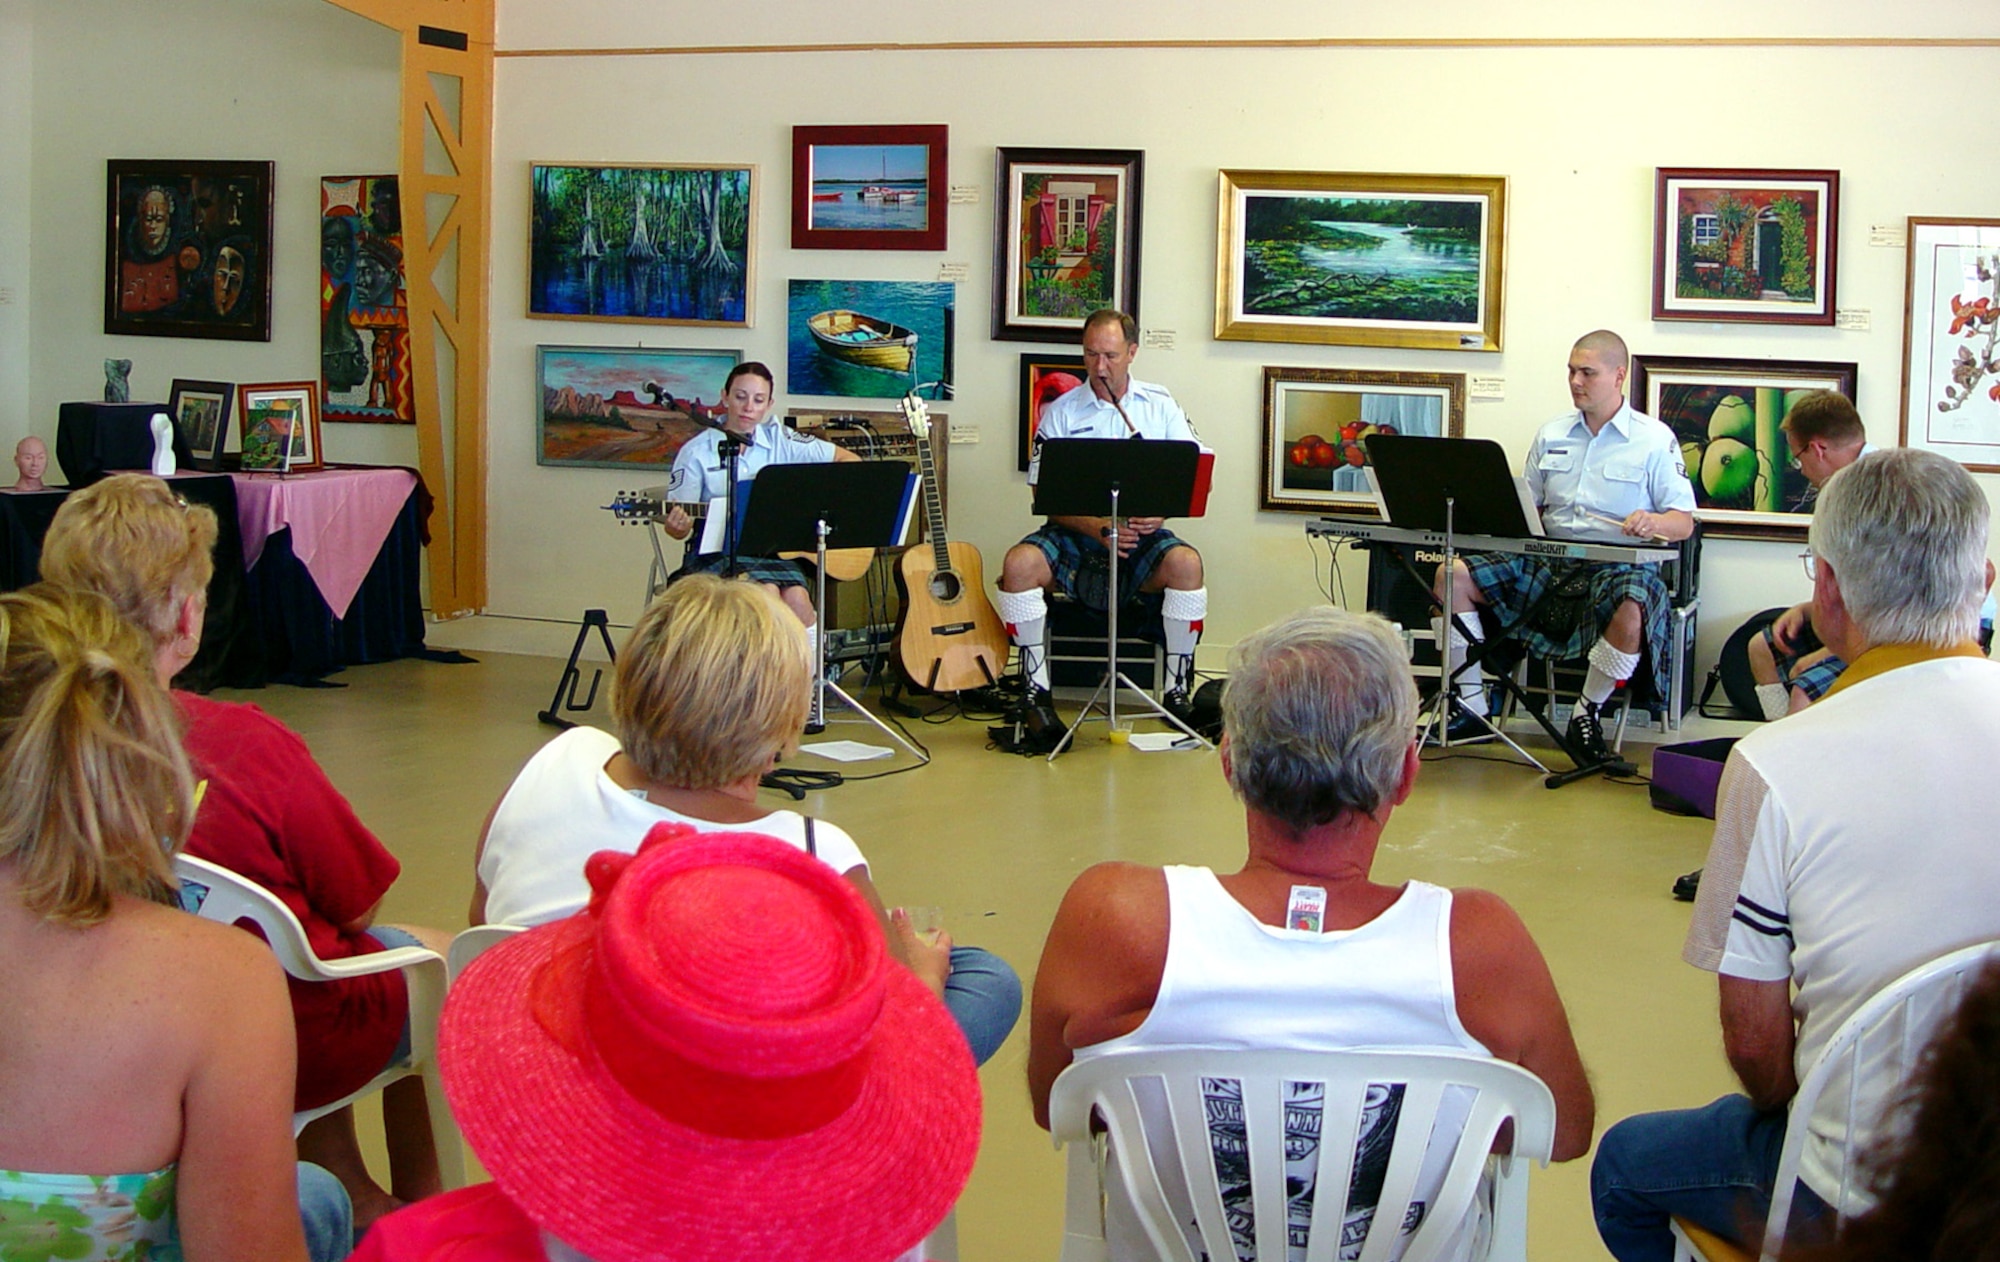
<point>1603,472</point>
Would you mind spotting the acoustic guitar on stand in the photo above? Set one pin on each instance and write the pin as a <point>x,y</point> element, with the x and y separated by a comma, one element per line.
<point>949,638</point>
<point>651,505</point>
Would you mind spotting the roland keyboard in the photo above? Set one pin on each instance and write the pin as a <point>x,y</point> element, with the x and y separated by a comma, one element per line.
<point>1558,549</point>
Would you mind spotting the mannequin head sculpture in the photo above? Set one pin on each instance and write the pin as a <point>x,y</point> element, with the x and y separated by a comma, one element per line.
<point>31,457</point>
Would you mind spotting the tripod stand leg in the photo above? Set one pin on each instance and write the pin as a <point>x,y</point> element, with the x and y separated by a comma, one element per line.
<point>565,697</point>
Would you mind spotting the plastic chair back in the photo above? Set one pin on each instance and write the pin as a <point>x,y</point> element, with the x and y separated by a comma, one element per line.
<point>471,943</point>
<point>1897,1025</point>
<point>1114,1088</point>
<point>215,893</point>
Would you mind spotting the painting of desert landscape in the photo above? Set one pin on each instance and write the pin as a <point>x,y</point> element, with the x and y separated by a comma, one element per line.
<point>619,408</point>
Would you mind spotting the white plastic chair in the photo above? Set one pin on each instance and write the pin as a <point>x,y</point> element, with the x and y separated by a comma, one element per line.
<point>1898,1021</point>
<point>471,943</point>
<point>1106,1086</point>
<point>215,893</point>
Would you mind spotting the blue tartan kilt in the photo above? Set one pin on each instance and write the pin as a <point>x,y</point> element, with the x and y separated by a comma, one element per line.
<point>1082,568</point>
<point>1515,584</point>
<point>772,570</point>
<point>1816,679</point>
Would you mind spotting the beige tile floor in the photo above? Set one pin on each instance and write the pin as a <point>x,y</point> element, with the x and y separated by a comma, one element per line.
<point>423,750</point>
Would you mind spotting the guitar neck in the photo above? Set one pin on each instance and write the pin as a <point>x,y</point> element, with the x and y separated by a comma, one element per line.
<point>933,504</point>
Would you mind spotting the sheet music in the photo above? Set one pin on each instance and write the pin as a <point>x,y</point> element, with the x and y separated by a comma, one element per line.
<point>1529,509</point>
<point>711,529</point>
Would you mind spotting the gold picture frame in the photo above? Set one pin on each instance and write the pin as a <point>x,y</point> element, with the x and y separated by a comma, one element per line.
<point>1391,270</point>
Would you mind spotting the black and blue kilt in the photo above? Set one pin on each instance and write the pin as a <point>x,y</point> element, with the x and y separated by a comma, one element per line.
<point>773,570</point>
<point>1082,568</point>
<point>1515,584</point>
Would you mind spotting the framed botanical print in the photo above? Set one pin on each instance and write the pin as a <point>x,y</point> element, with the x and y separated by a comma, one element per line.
<point>1951,341</point>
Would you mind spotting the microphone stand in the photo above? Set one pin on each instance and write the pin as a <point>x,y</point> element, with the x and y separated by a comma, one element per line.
<point>729,448</point>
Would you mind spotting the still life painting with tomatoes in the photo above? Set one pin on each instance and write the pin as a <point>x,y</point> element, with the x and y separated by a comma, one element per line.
<point>1318,420</point>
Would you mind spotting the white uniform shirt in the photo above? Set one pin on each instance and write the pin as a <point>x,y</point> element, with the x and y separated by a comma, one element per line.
<point>564,807</point>
<point>699,472</point>
<point>1632,464</point>
<point>1079,413</point>
<point>1853,842</point>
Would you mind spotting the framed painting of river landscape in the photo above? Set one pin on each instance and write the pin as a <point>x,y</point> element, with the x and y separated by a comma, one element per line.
<point>1066,239</point>
<point>874,187</point>
<point>1361,259</point>
<point>619,407</point>
<point>1728,415</point>
<point>1755,247</point>
<point>665,244</point>
<point>1317,420</point>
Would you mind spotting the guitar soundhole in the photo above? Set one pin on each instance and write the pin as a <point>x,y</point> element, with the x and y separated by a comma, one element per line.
<point>945,587</point>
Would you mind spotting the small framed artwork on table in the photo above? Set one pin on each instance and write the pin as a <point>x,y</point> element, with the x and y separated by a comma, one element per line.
<point>1317,420</point>
<point>280,426</point>
<point>200,411</point>
<point>1756,247</point>
<point>1951,341</point>
<point>869,187</point>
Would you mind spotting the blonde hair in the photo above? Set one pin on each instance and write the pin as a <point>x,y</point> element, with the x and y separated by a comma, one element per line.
<point>712,684</point>
<point>95,790</point>
<point>134,541</point>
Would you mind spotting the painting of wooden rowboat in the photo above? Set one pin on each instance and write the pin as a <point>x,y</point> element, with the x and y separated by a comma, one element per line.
<point>864,340</point>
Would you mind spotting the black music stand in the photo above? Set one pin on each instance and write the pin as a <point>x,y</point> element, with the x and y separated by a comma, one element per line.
<point>1080,477</point>
<point>1449,485</point>
<point>814,507</point>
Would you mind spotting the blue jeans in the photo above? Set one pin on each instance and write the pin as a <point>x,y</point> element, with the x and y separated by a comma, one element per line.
<point>984,997</point>
<point>1713,1166</point>
<point>327,1214</point>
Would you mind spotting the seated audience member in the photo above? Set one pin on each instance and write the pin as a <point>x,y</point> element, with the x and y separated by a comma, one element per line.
<point>268,813</point>
<point>1320,723</point>
<point>1936,1182</point>
<point>1853,842</point>
<point>1792,669</point>
<point>711,689</point>
<point>716,1059</point>
<point>146,1060</point>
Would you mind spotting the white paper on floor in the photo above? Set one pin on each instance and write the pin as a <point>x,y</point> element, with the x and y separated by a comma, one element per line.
<point>846,751</point>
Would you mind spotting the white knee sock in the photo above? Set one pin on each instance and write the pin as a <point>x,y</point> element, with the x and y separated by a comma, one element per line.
<point>1181,613</point>
<point>1609,667</point>
<point>1776,700</point>
<point>1027,615</point>
<point>1471,684</point>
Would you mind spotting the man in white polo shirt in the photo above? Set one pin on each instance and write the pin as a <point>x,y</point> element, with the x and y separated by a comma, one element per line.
<point>1853,842</point>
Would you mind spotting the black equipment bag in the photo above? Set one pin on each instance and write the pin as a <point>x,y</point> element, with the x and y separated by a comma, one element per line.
<point>1732,672</point>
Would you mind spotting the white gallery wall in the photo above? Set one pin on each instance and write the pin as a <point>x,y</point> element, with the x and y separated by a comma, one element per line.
<point>1577,128</point>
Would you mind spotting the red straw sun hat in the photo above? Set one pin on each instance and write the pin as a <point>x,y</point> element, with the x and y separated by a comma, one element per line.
<point>717,1060</point>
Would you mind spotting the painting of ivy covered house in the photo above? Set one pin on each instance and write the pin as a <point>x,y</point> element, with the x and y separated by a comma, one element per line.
<point>1754,244</point>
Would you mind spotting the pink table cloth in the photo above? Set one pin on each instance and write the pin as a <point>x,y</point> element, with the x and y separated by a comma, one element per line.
<point>339,519</point>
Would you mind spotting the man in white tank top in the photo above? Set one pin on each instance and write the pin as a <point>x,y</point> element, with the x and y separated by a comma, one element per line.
<point>1299,949</point>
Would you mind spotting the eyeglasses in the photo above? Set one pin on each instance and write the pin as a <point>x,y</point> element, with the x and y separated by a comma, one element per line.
<point>1792,461</point>
<point>1811,563</point>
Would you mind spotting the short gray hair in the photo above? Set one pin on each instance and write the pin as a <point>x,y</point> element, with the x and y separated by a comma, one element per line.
<point>1320,710</point>
<point>1905,533</point>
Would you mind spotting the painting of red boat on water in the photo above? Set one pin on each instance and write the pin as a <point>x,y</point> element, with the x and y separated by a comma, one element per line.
<point>611,407</point>
<point>868,188</point>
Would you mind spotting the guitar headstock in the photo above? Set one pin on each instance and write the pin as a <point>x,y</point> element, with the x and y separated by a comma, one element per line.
<point>917,414</point>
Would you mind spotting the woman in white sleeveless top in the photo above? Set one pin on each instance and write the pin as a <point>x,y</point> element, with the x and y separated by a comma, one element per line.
<point>1320,723</point>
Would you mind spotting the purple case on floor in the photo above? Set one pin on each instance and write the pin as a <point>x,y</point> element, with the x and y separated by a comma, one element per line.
<point>1685,776</point>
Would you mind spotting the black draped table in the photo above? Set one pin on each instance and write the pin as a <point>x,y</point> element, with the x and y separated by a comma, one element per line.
<point>356,533</point>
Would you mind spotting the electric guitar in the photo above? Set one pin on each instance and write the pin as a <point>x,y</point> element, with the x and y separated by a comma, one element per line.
<point>651,505</point>
<point>948,638</point>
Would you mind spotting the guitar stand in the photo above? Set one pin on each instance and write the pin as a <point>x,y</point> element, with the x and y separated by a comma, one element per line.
<point>565,698</point>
